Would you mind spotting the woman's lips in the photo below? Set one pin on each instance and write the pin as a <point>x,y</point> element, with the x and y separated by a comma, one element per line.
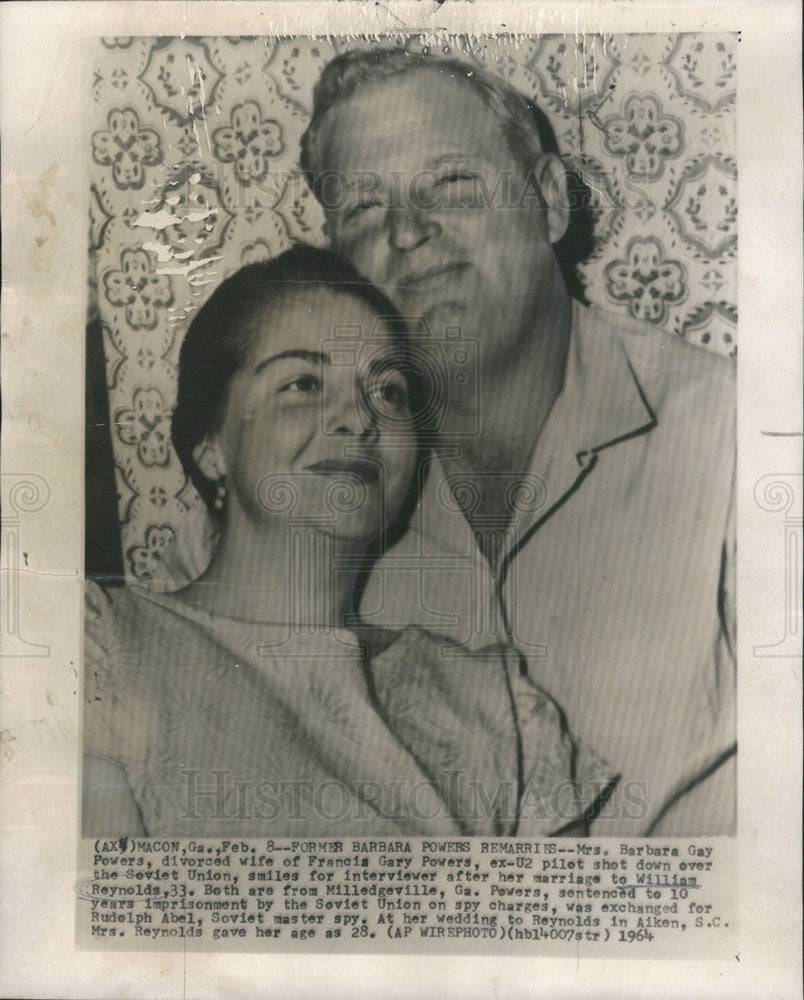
<point>367,472</point>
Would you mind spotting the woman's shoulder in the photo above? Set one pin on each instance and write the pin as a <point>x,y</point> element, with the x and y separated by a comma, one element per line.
<point>106,608</point>
<point>122,626</point>
<point>99,619</point>
<point>123,687</point>
<point>427,648</point>
<point>426,662</point>
<point>103,603</point>
<point>116,604</point>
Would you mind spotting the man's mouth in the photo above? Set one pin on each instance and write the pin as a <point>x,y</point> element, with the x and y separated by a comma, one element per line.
<point>367,472</point>
<point>431,277</point>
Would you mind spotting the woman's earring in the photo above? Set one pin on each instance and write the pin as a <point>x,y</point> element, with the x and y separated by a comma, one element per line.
<point>221,496</point>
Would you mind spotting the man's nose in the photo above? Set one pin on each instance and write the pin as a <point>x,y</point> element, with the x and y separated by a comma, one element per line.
<point>411,226</point>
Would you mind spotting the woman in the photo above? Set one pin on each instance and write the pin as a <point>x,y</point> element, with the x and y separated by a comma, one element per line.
<point>241,705</point>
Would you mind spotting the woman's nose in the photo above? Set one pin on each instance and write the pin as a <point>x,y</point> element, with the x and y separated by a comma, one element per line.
<point>410,227</point>
<point>344,413</point>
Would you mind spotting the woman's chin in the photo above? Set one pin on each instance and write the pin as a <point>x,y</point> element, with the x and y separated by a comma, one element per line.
<point>357,532</point>
<point>353,528</point>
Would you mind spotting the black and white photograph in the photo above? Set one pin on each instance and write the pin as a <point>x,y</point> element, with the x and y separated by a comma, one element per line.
<point>434,524</point>
<point>401,499</point>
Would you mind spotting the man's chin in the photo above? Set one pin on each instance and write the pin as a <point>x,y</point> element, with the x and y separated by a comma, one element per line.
<point>441,314</point>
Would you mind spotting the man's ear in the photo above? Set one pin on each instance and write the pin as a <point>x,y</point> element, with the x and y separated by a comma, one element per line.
<point>209,458</point>
<point>551,175</point>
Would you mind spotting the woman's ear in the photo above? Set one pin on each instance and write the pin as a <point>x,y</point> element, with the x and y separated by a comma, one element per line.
<point>209,458</point>
<point>551,175</point>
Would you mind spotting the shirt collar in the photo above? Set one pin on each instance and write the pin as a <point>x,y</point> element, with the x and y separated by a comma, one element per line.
<point>600,405</point>
<point>601,402</point>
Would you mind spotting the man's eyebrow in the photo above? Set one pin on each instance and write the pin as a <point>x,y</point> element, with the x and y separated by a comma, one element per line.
<point>315,357</point>
<point>392,361</point>
<point>458,158</point>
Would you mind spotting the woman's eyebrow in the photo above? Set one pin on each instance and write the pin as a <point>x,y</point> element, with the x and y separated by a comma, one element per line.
<point>315,357</point>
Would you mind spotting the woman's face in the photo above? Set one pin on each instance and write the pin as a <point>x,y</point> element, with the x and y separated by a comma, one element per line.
<point>317,424</point>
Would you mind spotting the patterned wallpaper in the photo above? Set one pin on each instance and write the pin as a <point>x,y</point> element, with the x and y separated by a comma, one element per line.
<point>194,146</point>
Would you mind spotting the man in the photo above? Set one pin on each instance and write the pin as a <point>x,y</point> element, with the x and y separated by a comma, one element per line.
<point>580,504</point>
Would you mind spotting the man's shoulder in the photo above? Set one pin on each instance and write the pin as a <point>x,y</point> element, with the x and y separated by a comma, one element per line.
<point>664,363</point>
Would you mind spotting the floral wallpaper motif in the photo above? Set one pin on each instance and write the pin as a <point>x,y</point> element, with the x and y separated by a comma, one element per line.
<point>143,560</point>
<point>644,135</point>
<point>647,282</point>
<point>146,426</point>
<point>138,289</point>
<point>126,146</point>
<point>192,158</point>
<point>249,142</point>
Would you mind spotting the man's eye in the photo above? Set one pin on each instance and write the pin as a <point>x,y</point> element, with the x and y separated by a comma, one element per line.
<point>360,208</point>
<point>453,176</point>
<point>304,384</point>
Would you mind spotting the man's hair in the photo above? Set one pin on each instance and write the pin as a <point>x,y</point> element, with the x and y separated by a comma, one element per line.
<point>526,129</point>
<point>524,125</point>
<point>222,332</point>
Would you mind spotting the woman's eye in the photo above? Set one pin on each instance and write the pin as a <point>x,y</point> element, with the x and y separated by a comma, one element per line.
<point>389,394</point>
<point>304,384</point>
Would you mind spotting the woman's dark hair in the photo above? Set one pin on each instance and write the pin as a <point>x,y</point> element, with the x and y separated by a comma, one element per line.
<point>220,336</point>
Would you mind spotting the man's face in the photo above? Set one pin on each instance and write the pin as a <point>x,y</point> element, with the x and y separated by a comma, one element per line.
<point>431,205</point>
